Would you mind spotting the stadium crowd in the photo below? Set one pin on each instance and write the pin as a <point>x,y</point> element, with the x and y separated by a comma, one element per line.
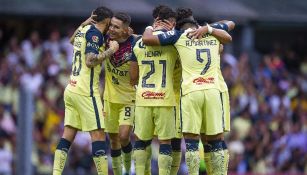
<point>268,107</point>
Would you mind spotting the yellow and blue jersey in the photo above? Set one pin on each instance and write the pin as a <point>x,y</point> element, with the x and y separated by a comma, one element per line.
<point>200,59</point>
<point>117,77</point>
<point>156,66</point>
<point>84,80</point>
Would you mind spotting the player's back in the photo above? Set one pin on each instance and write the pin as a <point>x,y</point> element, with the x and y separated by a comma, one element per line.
<point>200,60</point>
<point>84,80</point>
<point>156,66</point>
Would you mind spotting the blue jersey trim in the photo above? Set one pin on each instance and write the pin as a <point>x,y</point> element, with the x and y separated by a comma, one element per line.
<point>169,37</point>
<point>223,113</point>
<point>91,82</point>
<point>134,41</point>
<point>96,113</point>
<point>222,26</point>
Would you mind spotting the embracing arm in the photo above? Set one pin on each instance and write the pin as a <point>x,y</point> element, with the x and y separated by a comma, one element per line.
<point>134,73</point>
<point>88,21</point>
<point>230,24</point>
<point>149,39</point>
<point>215,30</point>
<point>93,59</point>
<point>221,35</point>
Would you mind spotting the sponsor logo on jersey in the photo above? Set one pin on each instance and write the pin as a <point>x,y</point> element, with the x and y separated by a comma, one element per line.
<point>153,95</point>
<point>92,45</point>
<point>201,80</point>
<point>95,39</point>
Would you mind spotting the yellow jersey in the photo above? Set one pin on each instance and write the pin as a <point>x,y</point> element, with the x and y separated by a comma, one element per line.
<point>177,80</point>
<point>156,66</point>
<point>117,77</point>
<point>84,80</point>
<point>200,60</point>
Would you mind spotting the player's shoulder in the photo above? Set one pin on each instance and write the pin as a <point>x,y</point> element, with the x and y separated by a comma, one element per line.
<point>133,39</point>
<point>136,41</point>
<point>94,34</point>
<point>92,30</point>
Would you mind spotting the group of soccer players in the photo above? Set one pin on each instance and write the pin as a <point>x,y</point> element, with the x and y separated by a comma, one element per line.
<point>167,83</point>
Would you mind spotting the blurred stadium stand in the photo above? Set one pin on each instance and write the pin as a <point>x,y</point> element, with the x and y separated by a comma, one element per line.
<point>265,68</point>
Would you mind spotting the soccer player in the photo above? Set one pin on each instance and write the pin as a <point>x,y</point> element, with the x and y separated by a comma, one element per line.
<point>83,107</point>
<point>155,98</point>
<point>119,95</point>
<point>176,141</point>
<point>204,100</point>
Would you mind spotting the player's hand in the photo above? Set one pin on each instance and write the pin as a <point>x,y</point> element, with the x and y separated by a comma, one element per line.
<point>113,45</point>
<point>89,20</point>
<point>165,24</point>
<point>156,23</point>
<point>198,33</point>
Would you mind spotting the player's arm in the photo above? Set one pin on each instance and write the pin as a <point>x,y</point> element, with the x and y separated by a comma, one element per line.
<point>163,39</point>
<point>219,34</point>
<point>134,72</point>
<point>93,59</point>
<point>156,40</point>
<point>94,40</point>
<point>149,39</point>
<point>88,21</point>
<point>224,24</point>
<point>218,30</point>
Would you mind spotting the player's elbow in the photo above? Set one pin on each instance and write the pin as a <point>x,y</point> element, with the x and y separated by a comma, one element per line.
<point>145,39</point>
<point>133,82</point>
<point>231,25</point>
<point>227,39</point>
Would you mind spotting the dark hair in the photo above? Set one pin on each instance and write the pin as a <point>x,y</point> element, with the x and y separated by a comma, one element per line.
<point>156,10</point>
<point>124,17</point>
<point>102,13</point>
<point>184,15</point>
<point>166,13</point>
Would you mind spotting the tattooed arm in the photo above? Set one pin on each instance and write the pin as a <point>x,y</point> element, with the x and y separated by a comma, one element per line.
<point>93,59</point>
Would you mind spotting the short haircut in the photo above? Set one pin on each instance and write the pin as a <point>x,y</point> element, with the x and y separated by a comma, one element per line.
<point>166,13</point>
<point>102,13</point>
<point>184,16</point>
<point>183,13</point>
<point>124,17</point>
<point>156,10</point>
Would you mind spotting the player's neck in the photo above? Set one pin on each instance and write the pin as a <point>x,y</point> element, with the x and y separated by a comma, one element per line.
<point>101,27</point>
<point>122,39</point>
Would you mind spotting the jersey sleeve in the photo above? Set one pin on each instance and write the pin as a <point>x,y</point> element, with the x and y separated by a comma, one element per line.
<point>94,40</point>
<point>222,26</point>
<point>136,38</point>
<point>169,38</point>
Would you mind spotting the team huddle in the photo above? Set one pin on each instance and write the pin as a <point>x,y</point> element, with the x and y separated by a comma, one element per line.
<point>166,84</point>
